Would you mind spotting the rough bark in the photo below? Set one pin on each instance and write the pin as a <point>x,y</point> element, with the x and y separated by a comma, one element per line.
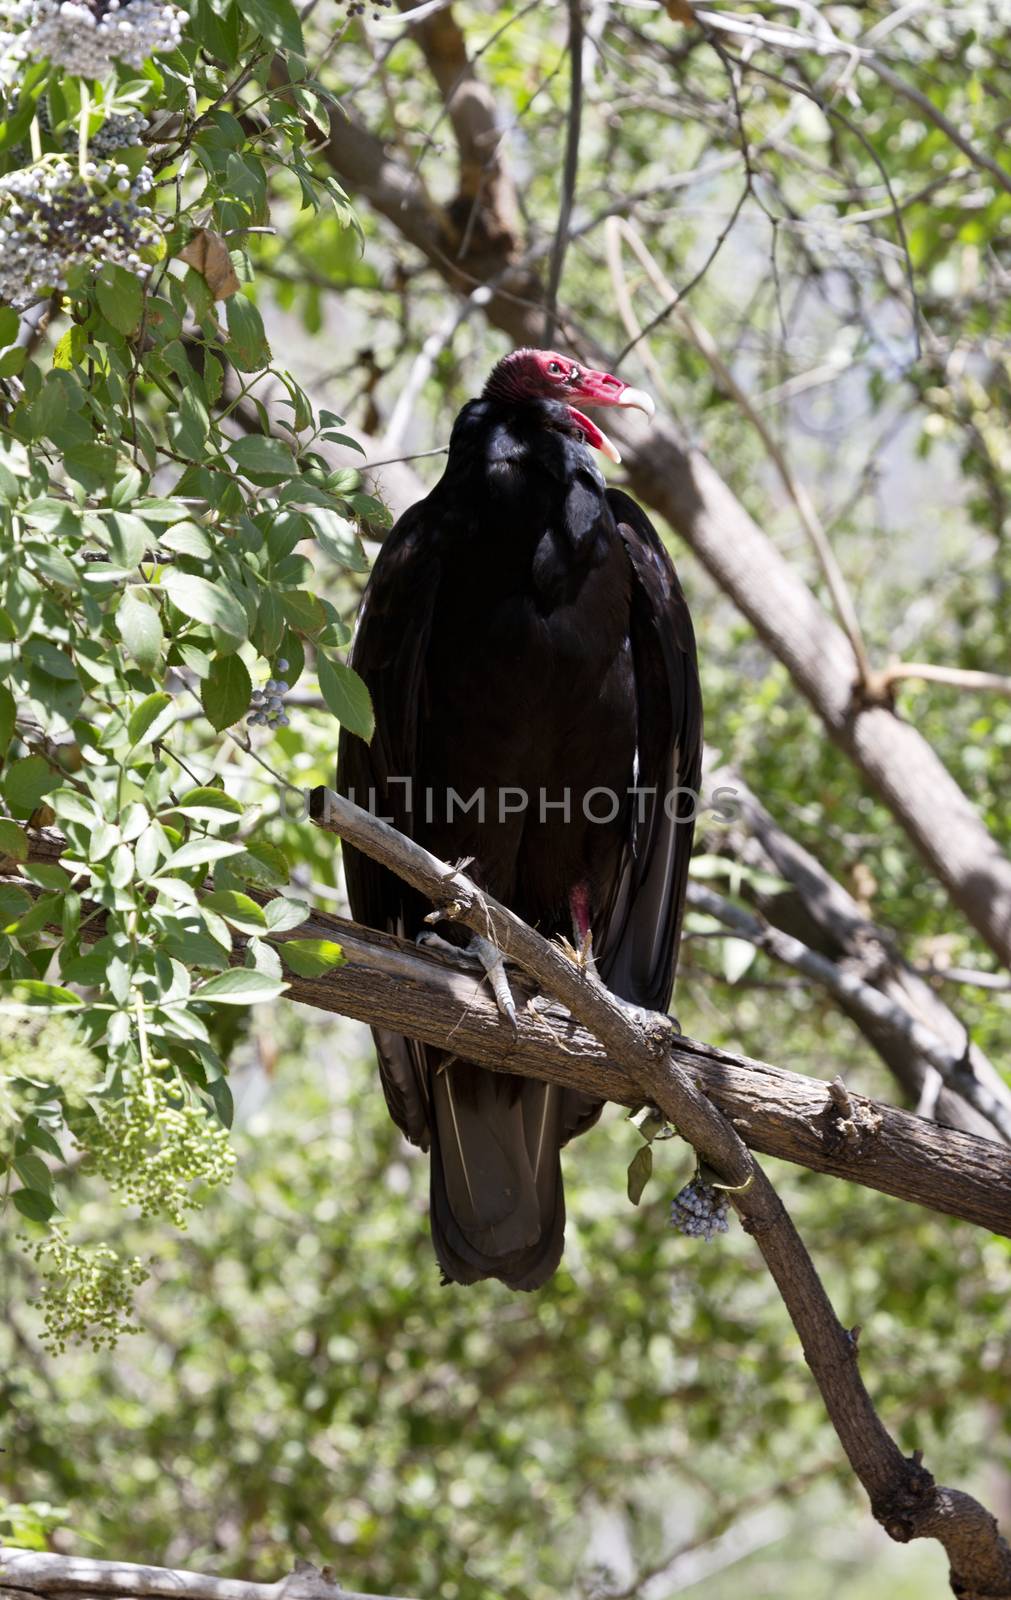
<point>818,910</point>
<point>24,1573</point>
<point>903,1495</point>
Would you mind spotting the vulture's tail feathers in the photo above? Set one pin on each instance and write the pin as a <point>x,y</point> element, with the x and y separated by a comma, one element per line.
<point>498,1210</point>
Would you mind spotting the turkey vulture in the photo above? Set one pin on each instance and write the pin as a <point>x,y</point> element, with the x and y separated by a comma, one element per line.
<point>532,666</point>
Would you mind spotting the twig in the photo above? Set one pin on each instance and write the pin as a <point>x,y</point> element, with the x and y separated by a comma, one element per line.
<point>955,677</point>
<point>391,983</point>
<point>438,340</point>
<point>618,227</point>
<point>571,169</point>
<point>933,114</point>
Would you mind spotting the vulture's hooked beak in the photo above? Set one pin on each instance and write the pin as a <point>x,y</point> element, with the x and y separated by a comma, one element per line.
<point>603,389</point>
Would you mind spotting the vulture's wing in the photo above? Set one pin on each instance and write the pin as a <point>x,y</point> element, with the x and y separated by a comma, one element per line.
<point>389,651</point>
<point>637,942</point>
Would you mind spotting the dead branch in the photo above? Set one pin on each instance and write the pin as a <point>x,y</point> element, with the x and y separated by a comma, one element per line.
<point>858,997</point>
<point>820,911</point>
<point>904,1497</point>
<point>29,1573</point>
<point>394,984</point>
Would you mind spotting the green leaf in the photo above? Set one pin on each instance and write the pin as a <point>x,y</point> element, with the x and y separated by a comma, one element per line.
<point>225,692</point>
<point>50,658</point>
<point>304,612</point>
<point>120,298</point>
<point>52,563</point>
<point>282,913</point>
<point>247,343</point>
<point>207,602</point>
<point>737,956</point>
<point>261,457</point>
<point>238,909</point>
<point>240,986</point>
<point>278,22</point>
<point>13,843</point>
<point>346,696</point>
<point>14,902</point>
<point>640,1170</point>
<point>151,719</point>
<point>140,629</point>
<point>34,1205</point>
<point>32,992</point>
<point>338,537</point>
<point>33,1172</point>
<point>197,852</point>
<point>311,958</point>
<point>10,322</point>
<point>73,807</point>
<point>8,717</point>
<point>27,782</point>
<point>209,805</point>
<point>187,539</point>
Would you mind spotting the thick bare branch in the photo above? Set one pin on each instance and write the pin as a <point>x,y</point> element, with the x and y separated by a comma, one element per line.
<point>861,999</point>
<point>819,911</point>
<point>903,1495</point>
<point>394,984</point>
<point>25,1573</point>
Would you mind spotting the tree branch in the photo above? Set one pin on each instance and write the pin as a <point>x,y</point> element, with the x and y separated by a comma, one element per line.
<point>30,1572</point>
<point>818,910</point>
<point>858,997</point>
<point>392,983</point>
<point>904,1497</point>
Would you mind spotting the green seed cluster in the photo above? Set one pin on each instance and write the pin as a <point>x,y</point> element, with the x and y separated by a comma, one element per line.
<point>40,1054</point>
<point>86,1294</point>
<point>155,1144</point>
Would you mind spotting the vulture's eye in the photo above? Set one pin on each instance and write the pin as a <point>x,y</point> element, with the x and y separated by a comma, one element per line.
<point>554,369</point>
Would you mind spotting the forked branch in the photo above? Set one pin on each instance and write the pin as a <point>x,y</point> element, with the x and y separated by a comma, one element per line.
<point>904,1497</point>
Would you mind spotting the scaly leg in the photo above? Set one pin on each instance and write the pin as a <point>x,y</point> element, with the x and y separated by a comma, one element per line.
<point>481,953</point>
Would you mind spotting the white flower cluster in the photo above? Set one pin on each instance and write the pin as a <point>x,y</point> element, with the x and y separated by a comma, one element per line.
<point>86,36</point>
<point>700,1211</point>
<point>266,708</point>
<point>52,219</point>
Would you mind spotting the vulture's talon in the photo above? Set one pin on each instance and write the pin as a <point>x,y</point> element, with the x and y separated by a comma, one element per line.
<point>429,940</point>
<point>493,962</point>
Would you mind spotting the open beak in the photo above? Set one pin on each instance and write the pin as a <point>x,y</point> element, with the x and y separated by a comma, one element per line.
<point>603,389</point>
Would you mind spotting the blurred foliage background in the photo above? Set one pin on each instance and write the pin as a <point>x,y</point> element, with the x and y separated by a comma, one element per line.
<point>298,1384</point>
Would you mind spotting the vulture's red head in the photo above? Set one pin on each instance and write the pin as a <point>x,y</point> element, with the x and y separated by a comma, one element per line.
<point>547,375</point>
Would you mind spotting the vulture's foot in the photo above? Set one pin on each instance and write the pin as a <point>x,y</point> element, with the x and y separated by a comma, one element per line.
<point>479,953</point>
<point>493,962</point>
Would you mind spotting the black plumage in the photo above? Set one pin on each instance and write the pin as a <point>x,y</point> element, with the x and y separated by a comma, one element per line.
<point>525,639</point>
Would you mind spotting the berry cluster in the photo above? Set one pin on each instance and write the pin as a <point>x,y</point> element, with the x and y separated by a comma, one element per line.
<point>87,1294</point>
<point>116,133</point>
<point>700,1211</point>
<point>53,219</point>
<point>266,708</point>
<point>156,1145</point>
<point>88,37</point>
<point>357,8</point>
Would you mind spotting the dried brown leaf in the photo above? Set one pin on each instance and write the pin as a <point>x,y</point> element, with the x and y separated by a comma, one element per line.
<point>207,253</point>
